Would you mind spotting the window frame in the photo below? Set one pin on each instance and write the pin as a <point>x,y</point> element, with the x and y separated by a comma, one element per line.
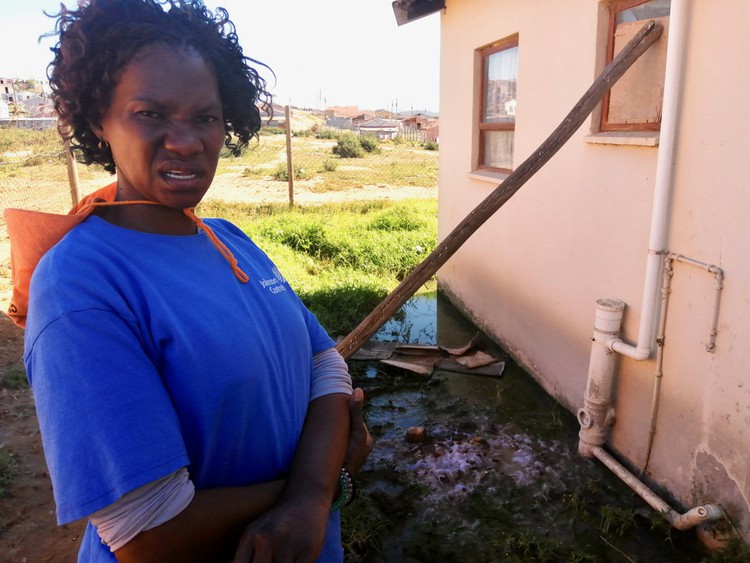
<point>482,126</point>
<point>614,8</point>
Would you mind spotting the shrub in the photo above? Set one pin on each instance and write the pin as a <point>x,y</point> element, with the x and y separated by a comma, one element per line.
<point>348,146</point>
<point>272,131</point>
<point>281,173</point>
<point>302,133</point>
<point>370,144</point>
<point>330,165</point>
<point>327,134</point>
<point>431,145</point>
<point>252,172</point>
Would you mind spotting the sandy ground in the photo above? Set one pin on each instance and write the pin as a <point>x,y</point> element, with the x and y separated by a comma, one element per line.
<point>28,532</point>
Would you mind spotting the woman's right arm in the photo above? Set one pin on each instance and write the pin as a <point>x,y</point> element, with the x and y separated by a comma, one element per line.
<point>207,530</point>
<point>210,527</point>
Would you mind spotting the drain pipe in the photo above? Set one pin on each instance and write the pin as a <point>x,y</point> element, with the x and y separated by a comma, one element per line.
<point>693,517</point>
<point>597,416</point>
<point>662,190</point>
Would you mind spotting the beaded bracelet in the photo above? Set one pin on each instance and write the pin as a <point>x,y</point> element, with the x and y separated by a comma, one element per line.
<point>346,491</point>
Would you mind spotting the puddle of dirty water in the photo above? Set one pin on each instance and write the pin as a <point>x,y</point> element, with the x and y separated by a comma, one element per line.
<point>497,477</point>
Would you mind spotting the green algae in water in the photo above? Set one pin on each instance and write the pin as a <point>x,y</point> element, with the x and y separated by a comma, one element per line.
<point>498,477</point>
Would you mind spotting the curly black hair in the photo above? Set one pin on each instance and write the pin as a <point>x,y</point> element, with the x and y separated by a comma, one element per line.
<point>99,39</point>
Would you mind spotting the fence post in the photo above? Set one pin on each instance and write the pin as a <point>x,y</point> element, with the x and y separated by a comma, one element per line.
<point>72,165</point>
<point>289,164</point>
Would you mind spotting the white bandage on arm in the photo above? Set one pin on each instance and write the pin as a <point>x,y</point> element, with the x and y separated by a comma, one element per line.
<point>330,374</point>
<point>143,508</point>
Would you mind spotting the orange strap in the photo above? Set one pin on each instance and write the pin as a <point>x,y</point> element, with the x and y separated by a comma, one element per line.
<point>33,233</point>
<point>220,246</point>
<point>189,212</point>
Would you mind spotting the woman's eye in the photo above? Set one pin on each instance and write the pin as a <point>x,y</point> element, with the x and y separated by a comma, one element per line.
<point>207,119</point>
<point>149,114</point>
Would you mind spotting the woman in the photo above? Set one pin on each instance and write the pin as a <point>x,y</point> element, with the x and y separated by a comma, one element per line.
<point>190,406</point>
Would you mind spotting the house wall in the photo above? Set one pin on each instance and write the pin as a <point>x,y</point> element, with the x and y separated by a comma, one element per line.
<point>578,231</point>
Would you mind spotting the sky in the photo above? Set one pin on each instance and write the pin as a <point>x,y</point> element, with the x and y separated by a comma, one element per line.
<point>324,53</point>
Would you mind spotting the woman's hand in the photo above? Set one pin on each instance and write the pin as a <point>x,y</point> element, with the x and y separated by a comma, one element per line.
<point>288,533</point>
<point>294,529</point>
<point>360,441</point>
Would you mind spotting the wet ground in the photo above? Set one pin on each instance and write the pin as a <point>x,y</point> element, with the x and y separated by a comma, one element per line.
<point>497,478</point>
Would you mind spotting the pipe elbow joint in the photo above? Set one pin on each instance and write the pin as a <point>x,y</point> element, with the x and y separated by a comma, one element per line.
<point>634,352</point>
<point>695,516</point>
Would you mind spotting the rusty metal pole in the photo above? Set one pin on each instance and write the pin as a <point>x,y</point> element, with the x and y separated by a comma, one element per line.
<point>648,34</point>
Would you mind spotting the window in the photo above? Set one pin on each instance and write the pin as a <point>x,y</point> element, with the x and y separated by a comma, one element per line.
<point>497,120</point>
<point>634,103</point>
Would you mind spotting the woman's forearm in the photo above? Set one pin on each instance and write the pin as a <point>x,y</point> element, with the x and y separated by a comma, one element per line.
<point>320,452</point>
<point>209,527</point>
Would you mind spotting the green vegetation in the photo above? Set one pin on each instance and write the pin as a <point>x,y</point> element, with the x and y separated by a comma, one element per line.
<point>342,259</point>
<point>320,159</point>
<point>282,173</point>
<point>7,472</point>
<point>349,146</point>
<point>370,144</point>
<point>14,377</point>
<point>28,154</point>
<point>21,149</point>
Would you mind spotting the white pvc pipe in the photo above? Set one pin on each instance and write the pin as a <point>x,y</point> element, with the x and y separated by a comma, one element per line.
<point>689,519</point>
<point>597,414</point>
<point>660,213</point>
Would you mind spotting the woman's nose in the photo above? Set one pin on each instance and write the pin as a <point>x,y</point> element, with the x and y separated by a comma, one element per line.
<point>182,138</point>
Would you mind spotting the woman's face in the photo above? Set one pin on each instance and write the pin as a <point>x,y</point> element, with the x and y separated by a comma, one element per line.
<point>165,127</point>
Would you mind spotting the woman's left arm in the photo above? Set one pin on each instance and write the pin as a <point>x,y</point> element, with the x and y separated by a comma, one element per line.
<point>294,530</point>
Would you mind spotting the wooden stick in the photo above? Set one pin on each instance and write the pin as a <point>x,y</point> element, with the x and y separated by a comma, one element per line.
<point>72,166</point>
<point>289,163</point>
<point>500,195</point>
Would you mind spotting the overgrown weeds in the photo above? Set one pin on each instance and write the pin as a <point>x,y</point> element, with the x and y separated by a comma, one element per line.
<point>341,258</point>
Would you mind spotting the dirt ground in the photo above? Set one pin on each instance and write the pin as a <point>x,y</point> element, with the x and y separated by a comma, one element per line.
<point>28,532</point>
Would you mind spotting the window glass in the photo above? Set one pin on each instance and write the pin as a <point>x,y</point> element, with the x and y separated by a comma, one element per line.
<point>498,149</point>
<point>500,95</point>
<point>497,120</point>
<point>647,11</point>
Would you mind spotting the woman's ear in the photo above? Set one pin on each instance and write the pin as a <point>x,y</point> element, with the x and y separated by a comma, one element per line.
<point>97,129</point>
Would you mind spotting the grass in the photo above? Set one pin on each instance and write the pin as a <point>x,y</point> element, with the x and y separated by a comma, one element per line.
<point>21,149</point>
<point>342,259</point>
<point>395,164</point>
<point>14,377</point>
<point>7,472</point>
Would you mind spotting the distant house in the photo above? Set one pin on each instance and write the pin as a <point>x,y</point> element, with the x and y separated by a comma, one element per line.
<point>272,116</point>
<point>363,117</point>
<point>37,106</point>
<point>417,121</point>
<point>342,111</point>
<point>7,90</point>
<point>380,128</point>
<point>432,132</point>
<point>340,123</point>
<point>4,110</point>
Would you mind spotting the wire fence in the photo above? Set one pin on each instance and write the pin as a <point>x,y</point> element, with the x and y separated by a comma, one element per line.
<point>34,174</point>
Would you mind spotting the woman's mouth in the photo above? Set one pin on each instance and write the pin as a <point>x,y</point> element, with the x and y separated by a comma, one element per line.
<point>177,175</point>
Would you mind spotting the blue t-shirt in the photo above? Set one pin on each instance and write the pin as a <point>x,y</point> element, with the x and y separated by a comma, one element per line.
<point>147,354</point>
